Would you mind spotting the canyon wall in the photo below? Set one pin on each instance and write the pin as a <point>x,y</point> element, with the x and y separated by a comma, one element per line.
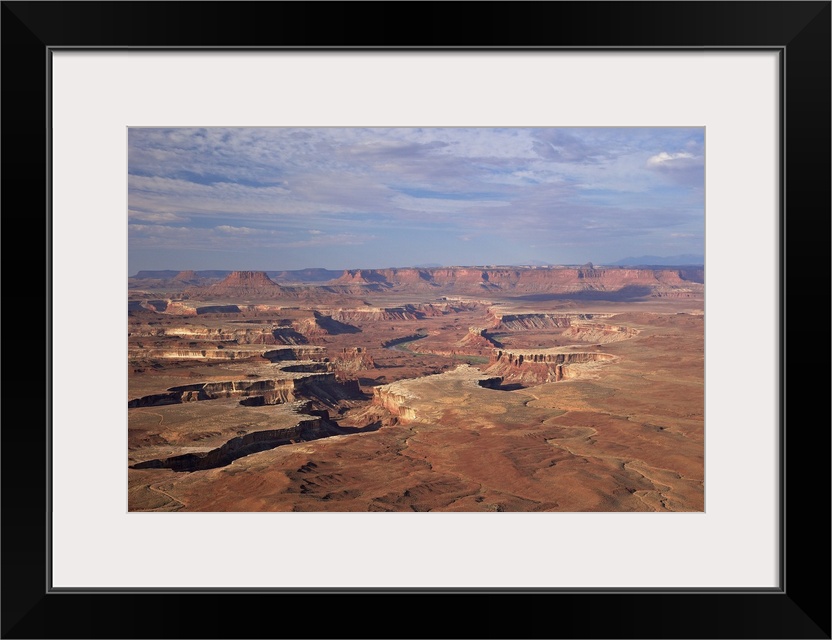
<point>395,400</point>
<point>537,367</point>
<point>311,428</point>
<point>542,279</point>
<point>322,387</point>
<point>219,352</point>
<point>633,283</point>
<point>352,359</point>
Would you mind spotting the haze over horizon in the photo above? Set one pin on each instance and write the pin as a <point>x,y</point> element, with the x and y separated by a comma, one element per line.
<point>344,198</point>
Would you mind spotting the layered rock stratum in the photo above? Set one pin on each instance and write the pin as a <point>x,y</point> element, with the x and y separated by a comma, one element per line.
<point>525,280</point>
<point>246,284</point>
<point>187,288</point>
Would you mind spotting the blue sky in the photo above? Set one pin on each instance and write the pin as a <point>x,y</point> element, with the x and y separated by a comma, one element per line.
<point>338,198</point>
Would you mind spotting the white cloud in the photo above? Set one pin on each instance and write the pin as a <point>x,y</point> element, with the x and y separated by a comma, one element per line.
<point>329,240</point>
<point>156,228</point>
<point>237,231</point>
<point>663,158</point>
<point>443,205</point>
<point>156,216</point>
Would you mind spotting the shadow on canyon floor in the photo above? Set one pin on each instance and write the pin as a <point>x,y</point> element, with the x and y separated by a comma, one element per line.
<point>512,386</point>
<point>246,445</point>
<point>624,294</point>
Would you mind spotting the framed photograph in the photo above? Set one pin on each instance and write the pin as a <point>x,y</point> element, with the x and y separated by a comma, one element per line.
<point>156,137</point>
<point>379,381</point>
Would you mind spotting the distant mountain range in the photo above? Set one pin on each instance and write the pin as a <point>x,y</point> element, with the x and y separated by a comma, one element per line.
<point>675,261</point>
<point>291,275</point>
<point>524,283</point>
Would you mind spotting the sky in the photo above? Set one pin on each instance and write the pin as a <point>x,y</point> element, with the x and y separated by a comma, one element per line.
<point>347,198</point>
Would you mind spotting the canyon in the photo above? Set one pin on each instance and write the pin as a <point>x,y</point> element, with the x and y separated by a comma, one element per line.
<point>463,389</point>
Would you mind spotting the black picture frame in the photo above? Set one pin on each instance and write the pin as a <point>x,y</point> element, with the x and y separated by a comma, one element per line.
<point>799,31</point>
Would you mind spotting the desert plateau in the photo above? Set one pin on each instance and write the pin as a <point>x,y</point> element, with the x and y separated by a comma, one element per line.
<point>467,389</point>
